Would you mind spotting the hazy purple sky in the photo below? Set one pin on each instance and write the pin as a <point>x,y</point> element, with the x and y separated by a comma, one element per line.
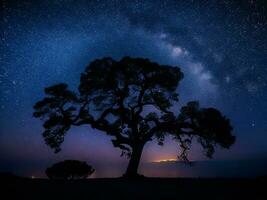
<point>221,47</point>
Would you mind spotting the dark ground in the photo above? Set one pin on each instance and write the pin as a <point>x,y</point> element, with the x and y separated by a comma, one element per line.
<point>147,188</point>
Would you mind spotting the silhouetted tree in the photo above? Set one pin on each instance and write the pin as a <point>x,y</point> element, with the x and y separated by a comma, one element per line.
<point>69,169</point>
<point>133,100</point>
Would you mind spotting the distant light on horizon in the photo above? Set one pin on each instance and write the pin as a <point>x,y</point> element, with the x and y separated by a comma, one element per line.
<point>165,160</point>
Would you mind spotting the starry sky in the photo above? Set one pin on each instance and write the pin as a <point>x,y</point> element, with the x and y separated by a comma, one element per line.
<point>220,45</point>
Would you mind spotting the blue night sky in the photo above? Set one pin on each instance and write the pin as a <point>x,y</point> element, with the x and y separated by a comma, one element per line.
<point>220,45</point>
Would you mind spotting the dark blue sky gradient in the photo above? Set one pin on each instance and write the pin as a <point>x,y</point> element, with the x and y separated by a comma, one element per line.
<point>221,47</point>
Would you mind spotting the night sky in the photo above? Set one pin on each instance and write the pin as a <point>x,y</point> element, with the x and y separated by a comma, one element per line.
<point>221,46</point>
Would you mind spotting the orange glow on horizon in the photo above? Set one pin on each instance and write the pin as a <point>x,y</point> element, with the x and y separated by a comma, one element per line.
<point>166,160</point>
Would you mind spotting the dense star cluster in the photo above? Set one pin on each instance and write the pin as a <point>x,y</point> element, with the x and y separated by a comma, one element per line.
<point>220,46</point>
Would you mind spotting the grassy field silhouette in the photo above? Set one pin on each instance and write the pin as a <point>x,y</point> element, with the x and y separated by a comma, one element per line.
<point>146,188</point>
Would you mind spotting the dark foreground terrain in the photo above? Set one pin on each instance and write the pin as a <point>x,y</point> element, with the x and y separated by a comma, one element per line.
<point>147,188</point>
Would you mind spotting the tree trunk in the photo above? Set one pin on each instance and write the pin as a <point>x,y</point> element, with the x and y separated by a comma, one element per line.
<point>132,168</point>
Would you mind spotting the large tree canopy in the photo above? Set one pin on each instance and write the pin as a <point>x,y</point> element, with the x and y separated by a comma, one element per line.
<point>131,100</point>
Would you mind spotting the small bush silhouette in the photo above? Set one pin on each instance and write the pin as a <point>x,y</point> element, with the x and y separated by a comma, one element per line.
<point>69,169</point>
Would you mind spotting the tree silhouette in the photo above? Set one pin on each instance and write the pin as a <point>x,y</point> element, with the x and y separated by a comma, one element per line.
<point>131,100</point>
<point>69,169</point>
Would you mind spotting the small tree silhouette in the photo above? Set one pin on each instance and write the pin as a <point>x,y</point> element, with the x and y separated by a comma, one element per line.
<point>69,169</point>
<point>131,100</point>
